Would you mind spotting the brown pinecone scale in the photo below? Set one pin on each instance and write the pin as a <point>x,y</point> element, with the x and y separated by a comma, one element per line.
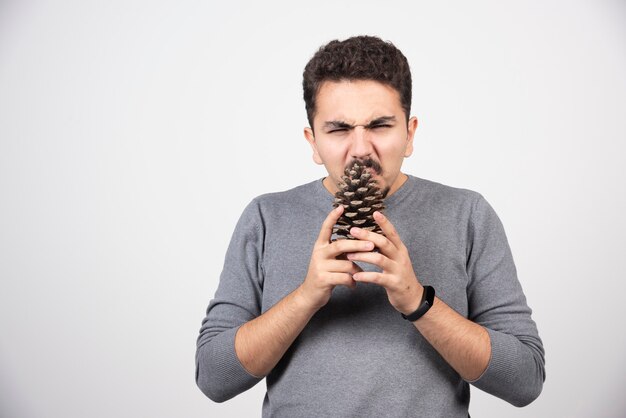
<point>361,197</point>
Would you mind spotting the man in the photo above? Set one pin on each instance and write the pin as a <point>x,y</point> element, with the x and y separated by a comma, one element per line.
<point>339,329</point>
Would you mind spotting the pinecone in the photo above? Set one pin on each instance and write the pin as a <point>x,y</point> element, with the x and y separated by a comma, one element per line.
<point>360,196</point>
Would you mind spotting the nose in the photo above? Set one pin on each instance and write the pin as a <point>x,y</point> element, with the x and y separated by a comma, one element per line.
<point>361,145</point>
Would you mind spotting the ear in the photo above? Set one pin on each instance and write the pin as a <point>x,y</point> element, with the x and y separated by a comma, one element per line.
<point>410,135</point>
<point>308,135</point>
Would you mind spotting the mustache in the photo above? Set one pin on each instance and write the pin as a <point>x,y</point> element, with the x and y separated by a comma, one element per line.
<point>375,166</point>
<point>369,163</point>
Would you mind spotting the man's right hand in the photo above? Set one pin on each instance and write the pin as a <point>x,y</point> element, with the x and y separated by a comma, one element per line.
<point>325,269</point>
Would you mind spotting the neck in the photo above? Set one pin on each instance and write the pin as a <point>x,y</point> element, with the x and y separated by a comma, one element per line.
<point>400,180</point>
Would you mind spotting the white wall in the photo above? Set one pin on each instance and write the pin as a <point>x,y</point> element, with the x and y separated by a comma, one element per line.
<point>133,133</point>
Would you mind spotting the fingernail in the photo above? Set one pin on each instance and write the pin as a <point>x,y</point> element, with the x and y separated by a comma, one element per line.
<point>355,230</point>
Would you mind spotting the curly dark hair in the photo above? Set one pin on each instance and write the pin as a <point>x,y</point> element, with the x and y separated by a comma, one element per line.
<point>357,58</point>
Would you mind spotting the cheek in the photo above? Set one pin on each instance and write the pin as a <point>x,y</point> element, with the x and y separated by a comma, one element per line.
<point>389,151</point>
<point>333,151</point>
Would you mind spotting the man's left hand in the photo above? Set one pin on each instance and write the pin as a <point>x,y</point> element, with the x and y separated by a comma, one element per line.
<point>397,277</point>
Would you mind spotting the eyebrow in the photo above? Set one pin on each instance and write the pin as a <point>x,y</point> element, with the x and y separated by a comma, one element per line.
<point>338,124</point>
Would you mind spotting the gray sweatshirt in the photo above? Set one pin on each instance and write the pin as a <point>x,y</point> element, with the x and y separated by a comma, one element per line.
<point>358,357</point>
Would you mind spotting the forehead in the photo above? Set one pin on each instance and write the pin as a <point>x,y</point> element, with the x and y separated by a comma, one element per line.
<point>356,101</point>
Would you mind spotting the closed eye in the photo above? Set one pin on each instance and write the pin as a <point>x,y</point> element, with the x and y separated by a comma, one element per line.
<point>337,130</point>
<point>384,122</point>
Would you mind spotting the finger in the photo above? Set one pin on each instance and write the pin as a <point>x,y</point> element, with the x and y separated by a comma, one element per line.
<point>327,226</point>
<point>388,229</point>
<point>370,277</point>
<point>338,266</point>
<point>377,259</point>
<point>341,279</point>
<point>342,246</point>
<point>379,240</point>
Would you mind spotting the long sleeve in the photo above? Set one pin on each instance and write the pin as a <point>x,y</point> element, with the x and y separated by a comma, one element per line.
<point>457,244</point>
<point>219,374</point>
<point>516,370</point>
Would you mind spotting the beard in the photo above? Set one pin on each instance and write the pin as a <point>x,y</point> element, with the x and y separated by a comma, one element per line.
<point>374,166</point>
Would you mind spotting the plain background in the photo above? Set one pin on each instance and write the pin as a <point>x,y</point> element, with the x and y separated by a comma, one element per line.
<point>133,134</point>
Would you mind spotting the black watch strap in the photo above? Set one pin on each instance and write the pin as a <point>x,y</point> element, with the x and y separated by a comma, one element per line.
<point>428,297</point>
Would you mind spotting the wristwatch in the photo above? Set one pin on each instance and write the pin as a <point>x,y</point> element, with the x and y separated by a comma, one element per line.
<point>428,296</point>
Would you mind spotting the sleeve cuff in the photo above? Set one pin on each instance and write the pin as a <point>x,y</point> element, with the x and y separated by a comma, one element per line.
<point>503,353</point>
<point>221,375</point>
<point>510,374</point>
